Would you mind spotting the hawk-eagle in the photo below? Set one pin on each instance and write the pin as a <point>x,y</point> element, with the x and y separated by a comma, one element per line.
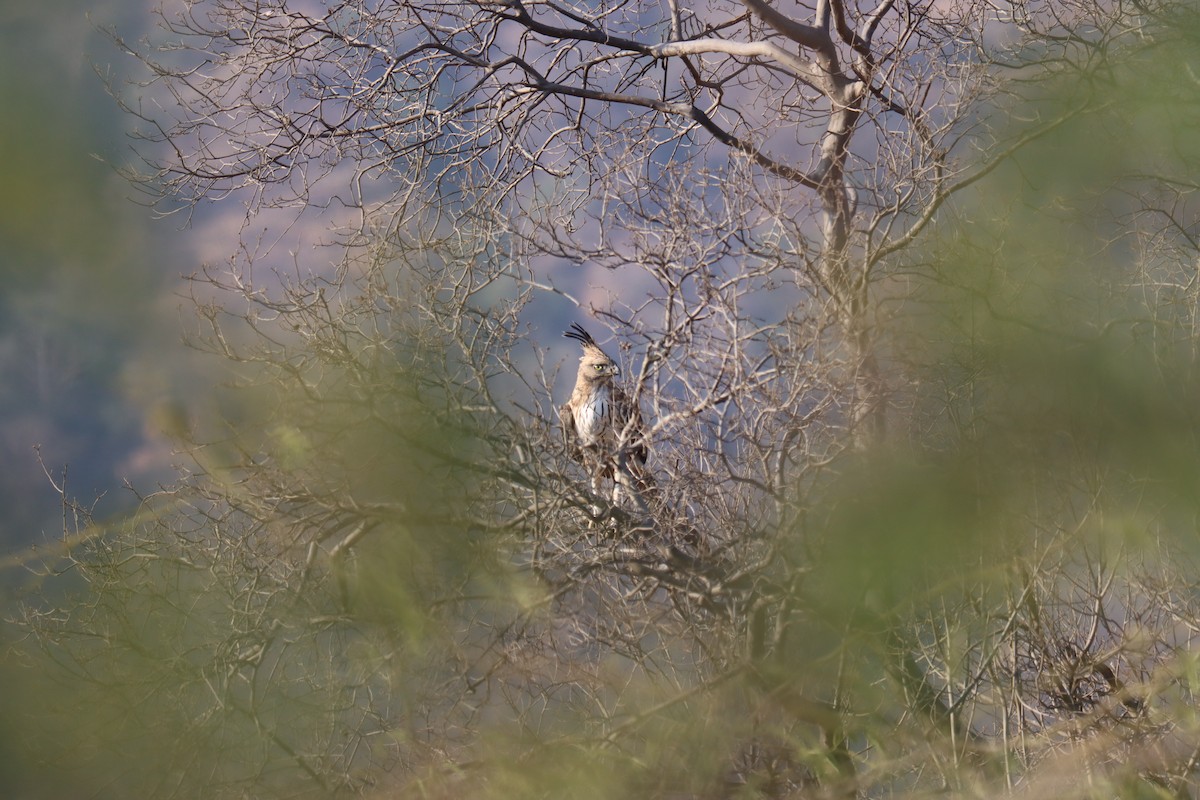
<point>602,427</point>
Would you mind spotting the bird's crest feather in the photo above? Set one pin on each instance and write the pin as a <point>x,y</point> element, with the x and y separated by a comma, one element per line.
<point>580,335</point>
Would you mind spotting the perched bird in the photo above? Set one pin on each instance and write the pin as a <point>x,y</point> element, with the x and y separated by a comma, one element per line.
<point>603,429</point>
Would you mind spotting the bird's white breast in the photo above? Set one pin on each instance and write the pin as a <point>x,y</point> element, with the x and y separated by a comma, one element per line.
<point>591,415</point>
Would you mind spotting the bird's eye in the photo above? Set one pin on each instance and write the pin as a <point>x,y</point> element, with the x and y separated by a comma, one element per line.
<point>599,367</point>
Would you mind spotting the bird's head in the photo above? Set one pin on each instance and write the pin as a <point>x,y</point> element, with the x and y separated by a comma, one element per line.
<point>594,364</point>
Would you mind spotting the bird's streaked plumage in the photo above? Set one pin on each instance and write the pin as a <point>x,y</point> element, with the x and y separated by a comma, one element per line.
<point>602,427</point>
